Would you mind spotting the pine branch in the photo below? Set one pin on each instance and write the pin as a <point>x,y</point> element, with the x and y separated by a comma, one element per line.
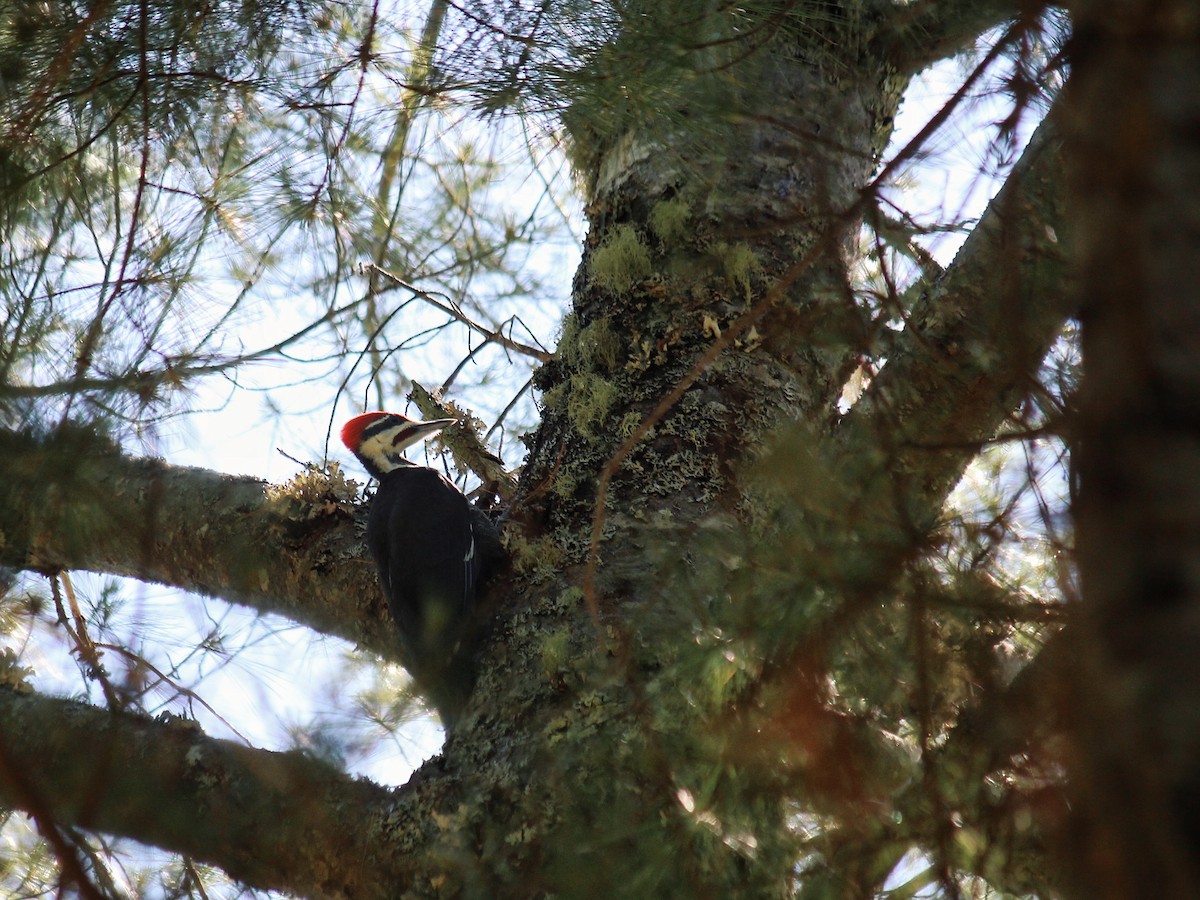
<point>974,341</point>
<point>71,502</point>
<point>272,820</point>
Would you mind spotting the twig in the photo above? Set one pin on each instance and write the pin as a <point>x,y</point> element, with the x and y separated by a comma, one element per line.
<point>84,645</point>
<point>493,335</point>
<point>469,449</point>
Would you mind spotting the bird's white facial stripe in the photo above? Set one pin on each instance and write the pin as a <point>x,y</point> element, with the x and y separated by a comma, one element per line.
<point>378,448</point>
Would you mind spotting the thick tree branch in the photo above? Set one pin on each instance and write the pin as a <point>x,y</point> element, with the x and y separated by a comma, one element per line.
<point>973,343</point>
<point>71,502</point>
<point>272,820</point>
<point>922,33</point>
<point>972,347</point>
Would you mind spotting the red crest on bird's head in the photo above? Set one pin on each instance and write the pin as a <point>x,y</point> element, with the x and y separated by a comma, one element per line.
<point>352,431</point>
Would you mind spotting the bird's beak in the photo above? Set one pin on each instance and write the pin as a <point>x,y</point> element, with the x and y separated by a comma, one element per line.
<point>419,431</point>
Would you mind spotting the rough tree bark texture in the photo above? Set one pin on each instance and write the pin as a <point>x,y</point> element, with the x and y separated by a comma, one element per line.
<point>296,550</point>
<point>269,819</point>
<point>1134,104</point>
<point>713,305</point>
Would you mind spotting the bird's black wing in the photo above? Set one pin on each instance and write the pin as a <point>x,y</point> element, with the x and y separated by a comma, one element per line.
<point>421,537</point>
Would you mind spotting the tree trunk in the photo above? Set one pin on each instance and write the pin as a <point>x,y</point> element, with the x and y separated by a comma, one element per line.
<point>1134,104</point>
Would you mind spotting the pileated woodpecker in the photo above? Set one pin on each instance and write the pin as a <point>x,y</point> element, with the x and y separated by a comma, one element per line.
<point>431,548</point>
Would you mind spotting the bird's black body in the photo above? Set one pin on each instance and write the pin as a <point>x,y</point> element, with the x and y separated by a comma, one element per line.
<point>430,585</point>
<point>432,550</point>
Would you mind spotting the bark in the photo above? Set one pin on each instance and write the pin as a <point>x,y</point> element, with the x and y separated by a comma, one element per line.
<point>1134,104</point>
<point>70,501</point>
<point>271,820</point>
